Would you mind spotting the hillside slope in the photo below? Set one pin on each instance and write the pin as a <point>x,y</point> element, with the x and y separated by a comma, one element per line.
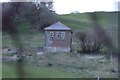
<point>62,65</point>
<point>80,21</point>
<point>83,20</point>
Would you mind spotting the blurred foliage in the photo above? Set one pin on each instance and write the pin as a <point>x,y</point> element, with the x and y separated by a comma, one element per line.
<point>89,42</point>
<point>38,15</point>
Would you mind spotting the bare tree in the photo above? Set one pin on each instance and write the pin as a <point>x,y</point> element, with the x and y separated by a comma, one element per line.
<point>88,41</point>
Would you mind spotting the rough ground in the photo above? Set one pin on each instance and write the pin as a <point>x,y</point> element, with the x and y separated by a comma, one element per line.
<point>83,65</point>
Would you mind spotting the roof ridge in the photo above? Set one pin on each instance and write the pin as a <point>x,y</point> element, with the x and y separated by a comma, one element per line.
<point>57,26</point>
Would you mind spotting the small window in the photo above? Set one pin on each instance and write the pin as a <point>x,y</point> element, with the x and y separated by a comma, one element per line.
<point>57,35</point>
<point>62,35</point>
<point>51,35</point>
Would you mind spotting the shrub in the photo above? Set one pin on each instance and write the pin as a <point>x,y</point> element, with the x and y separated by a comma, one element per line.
<point>89,42</point>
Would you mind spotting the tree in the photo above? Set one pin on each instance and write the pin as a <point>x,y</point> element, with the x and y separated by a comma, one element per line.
<point>95,40</point>
<point>11,14</point>
<point>40,15</point>
<point>88,41</point>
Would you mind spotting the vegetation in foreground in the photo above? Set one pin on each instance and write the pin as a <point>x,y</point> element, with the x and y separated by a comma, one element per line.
<point>33,71</point>
<point>63,64</point>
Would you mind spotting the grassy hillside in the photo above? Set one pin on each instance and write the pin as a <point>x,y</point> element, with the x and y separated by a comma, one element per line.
<point>80,21</point>
<point>64,65</point>
<point>83,20</point>
<point>32,38</point>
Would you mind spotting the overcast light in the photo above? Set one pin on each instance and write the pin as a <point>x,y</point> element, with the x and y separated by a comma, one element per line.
<point>68,6</point>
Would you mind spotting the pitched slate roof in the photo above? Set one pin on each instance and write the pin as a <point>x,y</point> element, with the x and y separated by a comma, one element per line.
<point>57,26</point>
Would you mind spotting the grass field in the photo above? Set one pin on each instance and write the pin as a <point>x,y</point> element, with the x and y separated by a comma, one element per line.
<point>63,64</point>
<point>83,20</point>
<point>31,71</point>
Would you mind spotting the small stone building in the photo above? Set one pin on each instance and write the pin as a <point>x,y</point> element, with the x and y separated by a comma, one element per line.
<point>58,38</point>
